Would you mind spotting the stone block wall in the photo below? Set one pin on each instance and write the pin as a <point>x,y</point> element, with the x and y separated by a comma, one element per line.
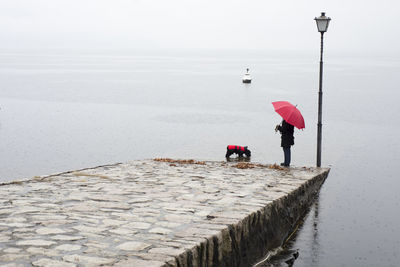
<point>238,245</point>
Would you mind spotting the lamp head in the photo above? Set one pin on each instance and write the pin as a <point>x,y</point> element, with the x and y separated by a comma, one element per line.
<point>322,22</point>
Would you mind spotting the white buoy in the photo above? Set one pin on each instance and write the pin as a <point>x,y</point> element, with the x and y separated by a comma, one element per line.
<point>246,77</point>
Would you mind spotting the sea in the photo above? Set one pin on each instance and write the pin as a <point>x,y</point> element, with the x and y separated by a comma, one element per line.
<point>65,110</point>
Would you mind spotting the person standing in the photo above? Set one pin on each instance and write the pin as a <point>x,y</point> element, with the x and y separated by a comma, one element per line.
<point>287,140</point>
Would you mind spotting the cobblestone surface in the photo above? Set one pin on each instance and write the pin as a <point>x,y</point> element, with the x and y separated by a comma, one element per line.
<point>140,213</point>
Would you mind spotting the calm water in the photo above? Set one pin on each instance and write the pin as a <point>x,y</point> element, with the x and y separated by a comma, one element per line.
<point>64,111</point>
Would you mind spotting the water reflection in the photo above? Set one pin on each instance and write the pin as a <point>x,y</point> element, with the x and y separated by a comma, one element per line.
<point>315,246</point>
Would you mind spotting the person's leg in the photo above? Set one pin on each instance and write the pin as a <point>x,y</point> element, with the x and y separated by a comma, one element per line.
<point>286,151</point>
<point>284,156</point>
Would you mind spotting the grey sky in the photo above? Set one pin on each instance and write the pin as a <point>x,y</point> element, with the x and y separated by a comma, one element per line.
<point>234,24</point>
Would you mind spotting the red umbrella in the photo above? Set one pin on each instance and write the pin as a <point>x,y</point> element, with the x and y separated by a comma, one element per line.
<point>289,113</point>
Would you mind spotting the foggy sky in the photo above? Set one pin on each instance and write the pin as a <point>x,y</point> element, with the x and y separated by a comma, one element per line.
<point>363,25</point>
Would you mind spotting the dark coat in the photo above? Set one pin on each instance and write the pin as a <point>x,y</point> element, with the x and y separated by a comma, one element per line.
<point>286,130</point>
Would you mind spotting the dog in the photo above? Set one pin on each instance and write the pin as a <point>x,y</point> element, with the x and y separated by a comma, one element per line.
<point>239,150</point>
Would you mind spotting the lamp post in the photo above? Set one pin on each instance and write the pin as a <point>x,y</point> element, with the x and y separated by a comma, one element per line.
<point>322,25</point>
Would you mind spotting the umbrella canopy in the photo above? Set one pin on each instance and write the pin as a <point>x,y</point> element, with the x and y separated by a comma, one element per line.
<point>289,113</point>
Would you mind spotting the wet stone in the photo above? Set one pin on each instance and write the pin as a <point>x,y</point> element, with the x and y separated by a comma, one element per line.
<point>159,230</point>
<point>138,225</point>
<point>5,211</point>
<point>12,265</point>
<point>16,224</point>
<point>35,242</point>
<point>123,231</point>
<point>167,251</point>
<point>154,257</point>
<point>52,263</point>
<point>48,231</point>
<point>138,263</point>
<point>48,217</point>
<point>68,247</point>
<point>87,260</point>
<point>135,246</point>
<point>66,237</point>
<point>90,229</point>
<point>27,209</point>
<point>10,257</point>
<point>197,232</point>
<point>109,222</point>
<point>12,250</point>
<point>4,238</point>
<point>42,251</point>
<point>16,220</point>
<point>167,224</point>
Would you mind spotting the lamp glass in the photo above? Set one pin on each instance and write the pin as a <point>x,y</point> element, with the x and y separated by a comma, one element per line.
<point>322,22</point>
<point>322,25</point>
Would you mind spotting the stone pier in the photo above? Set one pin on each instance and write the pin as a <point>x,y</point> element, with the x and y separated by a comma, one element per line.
<point>154,213</point>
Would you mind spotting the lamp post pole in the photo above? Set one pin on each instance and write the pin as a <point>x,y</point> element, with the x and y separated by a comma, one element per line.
<point>322,24</point>
<point>319,131</point>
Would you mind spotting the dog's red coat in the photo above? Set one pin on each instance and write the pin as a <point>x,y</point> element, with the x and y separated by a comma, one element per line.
<point>236,147</point>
